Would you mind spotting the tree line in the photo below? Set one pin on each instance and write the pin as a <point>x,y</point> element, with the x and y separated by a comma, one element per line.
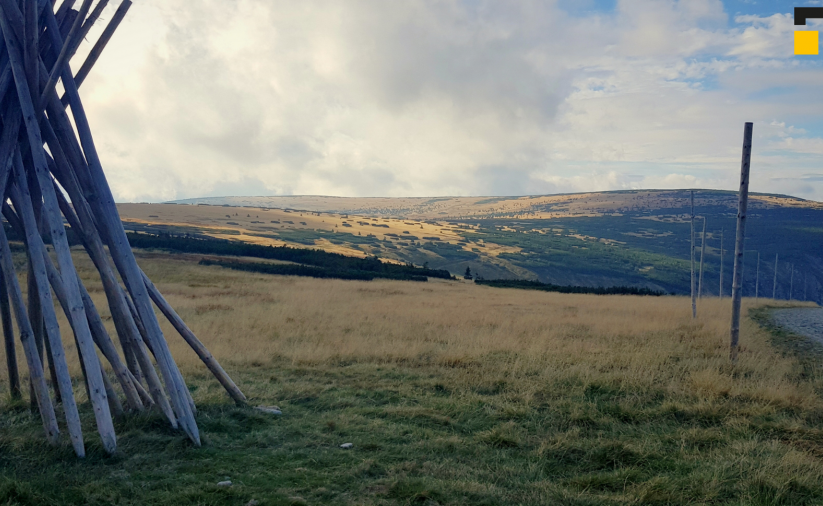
<point>325,264</point>
<point>548,287</point>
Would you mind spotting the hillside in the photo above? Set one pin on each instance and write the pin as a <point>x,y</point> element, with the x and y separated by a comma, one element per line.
<point>634,238</point>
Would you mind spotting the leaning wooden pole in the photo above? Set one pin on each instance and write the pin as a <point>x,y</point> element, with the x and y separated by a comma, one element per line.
<point>40,145</point>
<point>34,242</point>
<point>41,390</point>
<point>8,338</point>
<point>702,255</point>
<point>742,205</point>
<point>124,260</point>
<point>186,333</point>
<point>691,248</point>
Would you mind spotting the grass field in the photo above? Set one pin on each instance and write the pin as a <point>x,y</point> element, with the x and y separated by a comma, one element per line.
<point>451,394</point>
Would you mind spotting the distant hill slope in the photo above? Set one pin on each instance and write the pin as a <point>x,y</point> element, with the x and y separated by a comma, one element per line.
<point>628,238</point>
<point>537,206</point>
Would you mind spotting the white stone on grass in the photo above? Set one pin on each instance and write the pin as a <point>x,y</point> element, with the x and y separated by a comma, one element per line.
<point>272,410</point>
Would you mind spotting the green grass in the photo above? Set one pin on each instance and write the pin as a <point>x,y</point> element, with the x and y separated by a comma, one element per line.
<point>422,438</point>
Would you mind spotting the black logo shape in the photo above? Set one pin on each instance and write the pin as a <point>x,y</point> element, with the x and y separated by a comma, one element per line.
<point>801,14</point>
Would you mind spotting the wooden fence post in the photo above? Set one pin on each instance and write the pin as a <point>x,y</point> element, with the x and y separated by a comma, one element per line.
<point>702,254</point>
<point>757,279</point>
<point>721,264</point>
<point>791,284</point>
<point>742,204</point>
<point>774,288</point>
<point>694,299</point>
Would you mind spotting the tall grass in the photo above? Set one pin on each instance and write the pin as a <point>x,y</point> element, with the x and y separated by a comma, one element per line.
<point>633,343</point>
<point>458,393</point>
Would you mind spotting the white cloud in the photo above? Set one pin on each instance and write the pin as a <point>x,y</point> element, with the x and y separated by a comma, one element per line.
<point>429,97</point>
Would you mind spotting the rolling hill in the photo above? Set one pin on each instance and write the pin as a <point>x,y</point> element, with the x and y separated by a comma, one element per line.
<point>635,238</point>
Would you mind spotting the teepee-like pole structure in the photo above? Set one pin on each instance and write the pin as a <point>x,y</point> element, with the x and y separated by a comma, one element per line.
<point>47,152</point>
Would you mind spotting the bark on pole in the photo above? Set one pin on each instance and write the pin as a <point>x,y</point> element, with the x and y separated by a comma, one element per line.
<point>742,205</point>
<point>774,287</point>
<point>702,255</point>
<point>694,297</point>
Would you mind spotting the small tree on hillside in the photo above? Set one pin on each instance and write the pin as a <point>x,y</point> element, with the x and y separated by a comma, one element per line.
<point>468,274</point>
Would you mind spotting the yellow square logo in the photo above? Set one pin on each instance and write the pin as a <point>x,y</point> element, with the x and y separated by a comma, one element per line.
<point>806,42</point>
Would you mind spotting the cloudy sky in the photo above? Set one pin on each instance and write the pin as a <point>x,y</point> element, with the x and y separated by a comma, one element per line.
<point>453,97</point>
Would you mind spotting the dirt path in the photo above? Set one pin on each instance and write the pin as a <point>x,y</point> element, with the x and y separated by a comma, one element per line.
<point>805,321</point>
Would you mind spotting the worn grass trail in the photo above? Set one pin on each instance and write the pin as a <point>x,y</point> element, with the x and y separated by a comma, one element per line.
<point>451,394</point>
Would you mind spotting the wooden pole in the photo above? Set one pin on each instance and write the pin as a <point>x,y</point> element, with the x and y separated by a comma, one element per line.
<point>743,275</point>
<point>124,258</point>
<point>694,298</point>
<point>126,326</point>
<point>22,202</point>
<point>41,390</point>
<point>65,53</point>
<point>774,287</point>
<point>8,337</point>
<point>36,319</point>
<point>195,343</point>
<point>702,254</point>
<point>26,99</point>
<point>742,205</point>
<point>721,264</point>
<point>89,23</point>
<point>34,66</point>
<point>757,279</point>
<point>99,333</point>
<point>791,284</point>
<point>98,48</point>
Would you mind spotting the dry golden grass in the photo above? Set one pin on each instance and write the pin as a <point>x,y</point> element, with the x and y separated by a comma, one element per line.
<point>536,338</point>
<point>462,393</point>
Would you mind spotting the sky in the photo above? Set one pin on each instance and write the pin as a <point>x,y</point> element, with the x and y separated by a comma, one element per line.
<point>406,98</point>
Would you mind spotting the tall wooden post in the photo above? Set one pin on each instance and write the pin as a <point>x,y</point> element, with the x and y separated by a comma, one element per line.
<point>757,279</point>
<point>721,264</point>
<point>694,299</point>
<point>791,284</point>
<point>702,254</point>
<point>742,205</point>
<point>8,337</point>
<point>774,288</point>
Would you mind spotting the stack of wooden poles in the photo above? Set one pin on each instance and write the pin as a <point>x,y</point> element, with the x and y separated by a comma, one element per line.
<point>50,171</point>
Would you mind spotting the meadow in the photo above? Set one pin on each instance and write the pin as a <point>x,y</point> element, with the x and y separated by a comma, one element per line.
<point>451,393</point>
